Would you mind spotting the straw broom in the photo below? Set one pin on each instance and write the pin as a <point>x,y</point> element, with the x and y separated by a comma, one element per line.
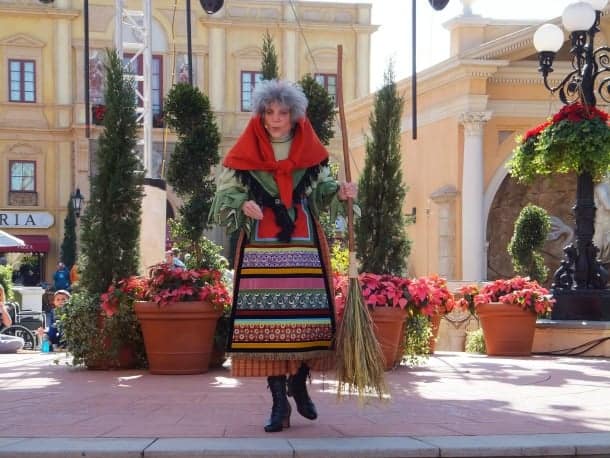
<point>359,358</point>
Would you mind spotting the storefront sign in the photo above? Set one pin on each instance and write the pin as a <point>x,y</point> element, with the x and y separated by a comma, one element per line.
<point>29,220</point>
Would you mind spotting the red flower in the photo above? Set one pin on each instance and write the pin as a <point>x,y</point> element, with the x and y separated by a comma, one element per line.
<point>165,285</point>
<point>427,295</point>
<point>517,290</point>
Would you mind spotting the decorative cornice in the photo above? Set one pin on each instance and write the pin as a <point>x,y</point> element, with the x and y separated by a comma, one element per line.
<point>23,41</point>
<point>52,13</point>
<point>447,193</point>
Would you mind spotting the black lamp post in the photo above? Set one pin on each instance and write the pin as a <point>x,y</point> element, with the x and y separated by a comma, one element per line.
<point>210,7</point>
<point>77,202</point>
<point>579,285</point>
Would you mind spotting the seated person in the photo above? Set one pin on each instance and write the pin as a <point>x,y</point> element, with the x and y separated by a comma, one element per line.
<point>8,344</point>
<point>52,331</point>
<point>171,258</point>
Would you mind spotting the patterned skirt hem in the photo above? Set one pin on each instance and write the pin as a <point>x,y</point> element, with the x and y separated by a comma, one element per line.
<point>241,367</point>
<point>297,356</point>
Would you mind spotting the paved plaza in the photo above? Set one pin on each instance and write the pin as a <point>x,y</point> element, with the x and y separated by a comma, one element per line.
<point>456,404</point>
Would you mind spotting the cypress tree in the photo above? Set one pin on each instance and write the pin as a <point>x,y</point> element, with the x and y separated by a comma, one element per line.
<point>111,223</point>
<point>321,108</point>
<point>188,113</point>
<point>382,244</point>
<point>269,66</point>
<point>68,245</point>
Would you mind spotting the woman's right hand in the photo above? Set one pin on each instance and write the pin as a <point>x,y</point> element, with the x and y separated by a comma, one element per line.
<point>252,210</point>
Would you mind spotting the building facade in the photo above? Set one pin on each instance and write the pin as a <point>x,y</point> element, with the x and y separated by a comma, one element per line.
<point>471,108</point>
<point>45,153</point>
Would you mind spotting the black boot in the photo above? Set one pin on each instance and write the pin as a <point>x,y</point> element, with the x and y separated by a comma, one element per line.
<point>280,411</point>
<point>298,390</point>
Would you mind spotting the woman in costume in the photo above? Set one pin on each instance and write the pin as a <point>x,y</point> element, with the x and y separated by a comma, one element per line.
<point>273,184</point>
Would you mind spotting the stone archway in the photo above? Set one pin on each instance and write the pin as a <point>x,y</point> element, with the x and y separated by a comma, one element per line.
<point>556,195</point>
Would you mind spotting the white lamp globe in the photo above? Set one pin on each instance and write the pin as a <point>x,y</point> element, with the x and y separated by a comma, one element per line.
<point>578,17</point>
<point>597,5</point>
<point>548,37</point>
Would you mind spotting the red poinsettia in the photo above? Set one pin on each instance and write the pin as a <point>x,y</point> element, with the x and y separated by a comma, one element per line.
<point>124,292</point>
<point>167,284</point>
<point>427,295</point>
<point>522,291</point>
<point>534,132</point>
<point>577,112</point>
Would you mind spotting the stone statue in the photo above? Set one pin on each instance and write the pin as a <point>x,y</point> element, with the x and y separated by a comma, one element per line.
<point>183,69</point>
<point>601,237</point>
<point>96,79</point>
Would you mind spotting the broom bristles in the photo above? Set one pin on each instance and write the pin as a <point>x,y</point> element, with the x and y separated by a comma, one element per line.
<point>360,367</point>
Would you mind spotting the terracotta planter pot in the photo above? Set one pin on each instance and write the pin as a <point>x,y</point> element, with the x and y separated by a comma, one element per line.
<point>508,329</point>
<point>178,337</point>
<point>402,343</point>
<point>388,325</point>
<point>125,359</point>
<point>435,324</point>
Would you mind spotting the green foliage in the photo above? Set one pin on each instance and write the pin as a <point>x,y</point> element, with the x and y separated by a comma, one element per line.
<point>327,217</point>
<point>382,244</point>
<point>68,245</point>
<point>111,223</point>
<point>339,259</point>
<point>320,110</point>
<point>475,341</point>
<point>6,280</point>
<point>269,66</point>
<point>204,253</point>
<point>531,230</point>
<point>187,112</point>
<point>576,139</point>
<point>92,338</point>
<point>418,334</point>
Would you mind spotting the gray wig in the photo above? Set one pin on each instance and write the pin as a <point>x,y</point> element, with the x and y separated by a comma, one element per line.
<point>282,92</point>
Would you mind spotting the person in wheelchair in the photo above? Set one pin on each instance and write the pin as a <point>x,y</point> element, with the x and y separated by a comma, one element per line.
<point>8,344</point>
<point>52,331</point>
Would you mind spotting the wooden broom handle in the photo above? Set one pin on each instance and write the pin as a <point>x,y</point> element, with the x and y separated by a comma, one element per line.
<point>348,175</point>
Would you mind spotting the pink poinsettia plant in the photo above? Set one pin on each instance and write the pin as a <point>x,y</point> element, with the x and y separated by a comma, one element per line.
<point>426,295</point>
<point>521,291</point>
<point>167,284</point>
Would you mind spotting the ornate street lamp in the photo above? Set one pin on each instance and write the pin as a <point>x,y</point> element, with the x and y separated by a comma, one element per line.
<point>579,284</point>
<point>77,202</point>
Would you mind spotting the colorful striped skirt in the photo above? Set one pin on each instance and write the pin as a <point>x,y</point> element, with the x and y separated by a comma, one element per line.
<point>283,311</point>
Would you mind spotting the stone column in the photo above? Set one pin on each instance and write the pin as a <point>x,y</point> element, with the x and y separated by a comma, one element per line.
<point>363,44</point>
<point>473,240</point>
<point>63,70</point>
<point>362,65</point>
<point>217,67</point>
<point>289,68</point>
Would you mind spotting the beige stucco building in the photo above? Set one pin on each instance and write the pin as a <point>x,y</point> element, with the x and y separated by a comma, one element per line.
<point>470,109</point>
<point>45,154</point>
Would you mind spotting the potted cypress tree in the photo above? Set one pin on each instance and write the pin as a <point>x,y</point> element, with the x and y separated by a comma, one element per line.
<point>109,237</point>
<point>186,303</point>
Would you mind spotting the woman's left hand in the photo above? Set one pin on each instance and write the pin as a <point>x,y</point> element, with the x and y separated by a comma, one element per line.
<point>347,190</point>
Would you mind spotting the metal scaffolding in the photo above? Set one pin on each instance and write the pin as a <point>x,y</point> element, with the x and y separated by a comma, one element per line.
<point>139,22</point>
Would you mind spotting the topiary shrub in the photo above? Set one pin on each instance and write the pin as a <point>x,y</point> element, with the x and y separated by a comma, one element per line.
<point>531,230</point>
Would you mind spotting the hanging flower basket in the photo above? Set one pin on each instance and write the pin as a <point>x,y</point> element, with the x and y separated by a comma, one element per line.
<point>576,139</point>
